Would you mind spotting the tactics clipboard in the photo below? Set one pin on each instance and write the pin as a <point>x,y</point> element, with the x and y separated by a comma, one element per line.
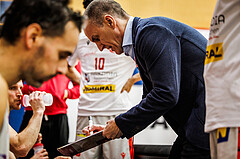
<point>83,144</point>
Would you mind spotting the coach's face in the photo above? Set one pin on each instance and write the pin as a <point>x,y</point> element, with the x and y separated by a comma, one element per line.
<point>106,36</point>
<point>49,57</point>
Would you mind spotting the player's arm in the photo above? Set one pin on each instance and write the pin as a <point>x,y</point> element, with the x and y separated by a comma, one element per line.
<point>3,99</point>
<point>74,93</point>
<point>128,85</point>
<point>73,74</point>
<point>21,143</point>
<point>11,155</point>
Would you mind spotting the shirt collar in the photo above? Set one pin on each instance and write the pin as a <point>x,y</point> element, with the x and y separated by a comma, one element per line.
<point>127,38</point>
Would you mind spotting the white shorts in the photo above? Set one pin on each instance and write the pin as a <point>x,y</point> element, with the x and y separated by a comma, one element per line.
<point>224,143</point>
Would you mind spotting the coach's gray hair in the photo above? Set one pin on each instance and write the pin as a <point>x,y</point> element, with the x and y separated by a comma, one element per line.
<point>98,8</point>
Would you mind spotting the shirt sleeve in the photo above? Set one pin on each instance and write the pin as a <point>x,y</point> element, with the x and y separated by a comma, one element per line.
<point>73,60</point>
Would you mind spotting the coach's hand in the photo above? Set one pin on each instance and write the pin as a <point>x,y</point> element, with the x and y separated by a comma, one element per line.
<point>111,130</point>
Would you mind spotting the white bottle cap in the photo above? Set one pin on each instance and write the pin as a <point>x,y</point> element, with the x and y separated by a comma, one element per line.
<point>48,99</point>
<point>37,147</point>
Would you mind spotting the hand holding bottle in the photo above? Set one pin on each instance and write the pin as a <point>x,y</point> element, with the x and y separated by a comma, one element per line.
<point>36,100</point>
<point>47,99</point>
<point>42,154</point>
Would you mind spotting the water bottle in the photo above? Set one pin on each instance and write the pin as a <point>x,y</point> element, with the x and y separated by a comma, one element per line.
<point>47,100</point>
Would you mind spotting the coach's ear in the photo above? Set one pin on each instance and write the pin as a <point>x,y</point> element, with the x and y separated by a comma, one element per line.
<point>33,34</point>
<point>110,21</point>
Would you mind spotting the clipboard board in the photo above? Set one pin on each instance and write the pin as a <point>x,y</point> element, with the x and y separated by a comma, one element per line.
<point>83,144</point>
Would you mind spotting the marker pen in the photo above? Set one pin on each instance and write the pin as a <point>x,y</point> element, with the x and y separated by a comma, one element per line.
<point>90,122</point>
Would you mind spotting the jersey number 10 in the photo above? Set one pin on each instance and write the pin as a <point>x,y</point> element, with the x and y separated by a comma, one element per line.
<point>99,63</point>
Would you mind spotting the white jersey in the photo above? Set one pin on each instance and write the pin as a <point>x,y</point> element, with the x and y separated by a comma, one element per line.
<point>103,76</point>
<point>4,138</point>
<point>222,67</point>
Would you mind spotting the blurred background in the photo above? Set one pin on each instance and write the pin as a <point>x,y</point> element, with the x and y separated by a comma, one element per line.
<point>197,14</point>
<point>194,13</point>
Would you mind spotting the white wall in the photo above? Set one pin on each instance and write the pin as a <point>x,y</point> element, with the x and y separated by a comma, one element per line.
<point>204,32</point>
<point>72,118</point>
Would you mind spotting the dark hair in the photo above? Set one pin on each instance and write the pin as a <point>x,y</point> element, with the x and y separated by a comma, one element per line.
<point>51,15</point>
<point>76,17</point>
<point>97,8</point>
<point>0,29</point>
<point>86,3</point>
<point>64,2</point>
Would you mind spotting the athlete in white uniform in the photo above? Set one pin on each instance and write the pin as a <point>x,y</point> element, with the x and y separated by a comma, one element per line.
<point>103,76</point>
<point>4,131</point>
<point>222,79</point>
<point>4,138</point>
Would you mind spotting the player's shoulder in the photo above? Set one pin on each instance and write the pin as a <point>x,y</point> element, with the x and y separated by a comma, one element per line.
<point>3,90</point>
<point>3,83</point>
<point>83,40</point>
